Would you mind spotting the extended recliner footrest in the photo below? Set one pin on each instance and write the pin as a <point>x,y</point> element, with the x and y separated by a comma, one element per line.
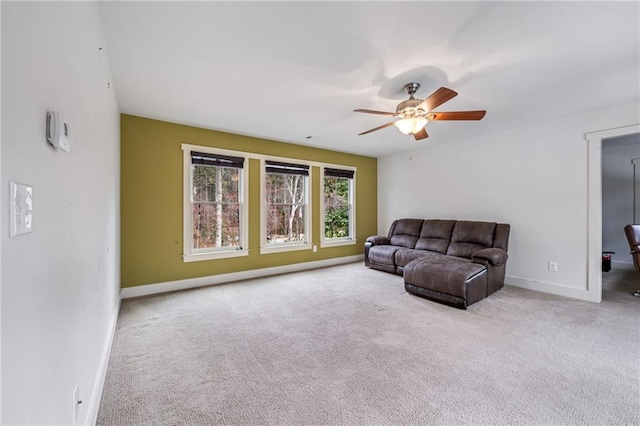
<point>446,299</point>
<point>446,279</point>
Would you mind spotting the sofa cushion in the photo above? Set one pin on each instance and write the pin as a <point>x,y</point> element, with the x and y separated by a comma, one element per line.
<point>404,256</point>
<point>383,254</point>
<point>435,235</point>
<point>501,238</point>
<point>405,233</point>
<point>469,237</point>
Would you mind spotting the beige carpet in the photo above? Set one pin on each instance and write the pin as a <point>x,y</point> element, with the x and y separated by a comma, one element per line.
<point>347,345</point>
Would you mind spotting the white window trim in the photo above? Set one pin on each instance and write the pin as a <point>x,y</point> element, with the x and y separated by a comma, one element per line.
<point>189,255</point>
<point>284,247</point>
<point>342,241</point>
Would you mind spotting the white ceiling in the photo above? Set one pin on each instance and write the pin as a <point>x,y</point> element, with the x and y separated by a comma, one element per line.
<point>285,71</point>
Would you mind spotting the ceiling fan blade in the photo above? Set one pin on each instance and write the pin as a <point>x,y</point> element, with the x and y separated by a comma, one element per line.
<point>377,128</point>
<point>437,98</point>
<point>422,134</point>
<point>457,115</point>
<point>370,111</point>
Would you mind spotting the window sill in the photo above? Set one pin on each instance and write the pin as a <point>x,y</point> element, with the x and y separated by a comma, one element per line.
<point>284,248</point>
<point>337,243</point>
<point>214,255</point>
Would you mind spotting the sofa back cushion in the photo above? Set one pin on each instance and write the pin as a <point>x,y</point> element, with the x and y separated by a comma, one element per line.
<point>435,235</point>
<point>501,238</point>
<point>405,232</point>
<point>469,237</point>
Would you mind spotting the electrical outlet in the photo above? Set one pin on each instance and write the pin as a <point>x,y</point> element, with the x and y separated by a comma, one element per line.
<point>76,403</point>
<point>553,266</point>
<point>315,248</point>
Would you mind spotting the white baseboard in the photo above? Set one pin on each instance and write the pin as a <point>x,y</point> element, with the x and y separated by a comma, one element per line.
<point>622,265</point>
<point>146,290</point>
<point>552,288</point>
<point>96,395</point>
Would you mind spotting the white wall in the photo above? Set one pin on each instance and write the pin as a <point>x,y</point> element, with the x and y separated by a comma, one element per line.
<point>2,218</point>
<point>534,178</point>
<point>617,195</point>
<point>60,283</point>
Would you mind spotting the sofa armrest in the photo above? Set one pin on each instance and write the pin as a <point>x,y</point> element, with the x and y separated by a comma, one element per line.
<point>374,240</point>
<point>378,240</point>
<point>495,256</point>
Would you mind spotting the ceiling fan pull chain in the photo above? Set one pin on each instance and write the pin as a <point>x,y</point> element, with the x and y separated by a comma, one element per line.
<point>411,141</point>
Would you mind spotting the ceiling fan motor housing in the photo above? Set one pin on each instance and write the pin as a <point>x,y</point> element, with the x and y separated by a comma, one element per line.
<point>409,108</point>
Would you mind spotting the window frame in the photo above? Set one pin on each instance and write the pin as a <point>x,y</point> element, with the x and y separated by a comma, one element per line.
<point>190,254</point>
<point>268,248</point>
<point>339,241</point>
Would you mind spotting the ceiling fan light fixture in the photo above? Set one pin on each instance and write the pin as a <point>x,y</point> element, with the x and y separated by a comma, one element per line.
<point>411,125</point>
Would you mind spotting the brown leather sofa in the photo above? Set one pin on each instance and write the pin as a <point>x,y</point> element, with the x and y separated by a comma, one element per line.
<point>453,262</point>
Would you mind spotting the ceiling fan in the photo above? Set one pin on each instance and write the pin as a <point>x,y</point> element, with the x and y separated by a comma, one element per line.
<point>415,113</point>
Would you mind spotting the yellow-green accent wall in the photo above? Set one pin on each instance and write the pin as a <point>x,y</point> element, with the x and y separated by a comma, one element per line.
<point>152,201</point>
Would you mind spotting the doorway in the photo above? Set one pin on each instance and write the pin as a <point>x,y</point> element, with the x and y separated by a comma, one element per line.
<point>620,199</point>
<point>594,249</point>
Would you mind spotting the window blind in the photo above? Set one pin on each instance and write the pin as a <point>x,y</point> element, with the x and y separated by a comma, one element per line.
<point>287,168</point>
<point>339,173</point>
<point>216,160</point>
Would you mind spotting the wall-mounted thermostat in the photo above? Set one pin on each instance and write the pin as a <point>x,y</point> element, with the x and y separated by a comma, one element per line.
<point>58,131</point>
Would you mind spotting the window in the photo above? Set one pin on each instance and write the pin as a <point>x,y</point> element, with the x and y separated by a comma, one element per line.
<point>337,207</point>
<point>286,224</point>
<point>214,217</point>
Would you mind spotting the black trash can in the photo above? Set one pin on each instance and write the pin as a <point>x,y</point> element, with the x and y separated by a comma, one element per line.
<point>606,260</point>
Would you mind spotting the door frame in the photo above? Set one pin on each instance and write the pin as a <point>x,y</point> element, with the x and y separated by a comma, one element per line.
<point>594,211</point>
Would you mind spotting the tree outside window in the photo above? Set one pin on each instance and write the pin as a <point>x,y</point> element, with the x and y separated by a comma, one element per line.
<point>216,207</point>
<point>214,218</point>
<point>286,203</point>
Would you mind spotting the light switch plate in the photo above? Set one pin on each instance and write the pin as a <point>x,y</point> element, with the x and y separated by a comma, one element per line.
<point>21,202</point>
